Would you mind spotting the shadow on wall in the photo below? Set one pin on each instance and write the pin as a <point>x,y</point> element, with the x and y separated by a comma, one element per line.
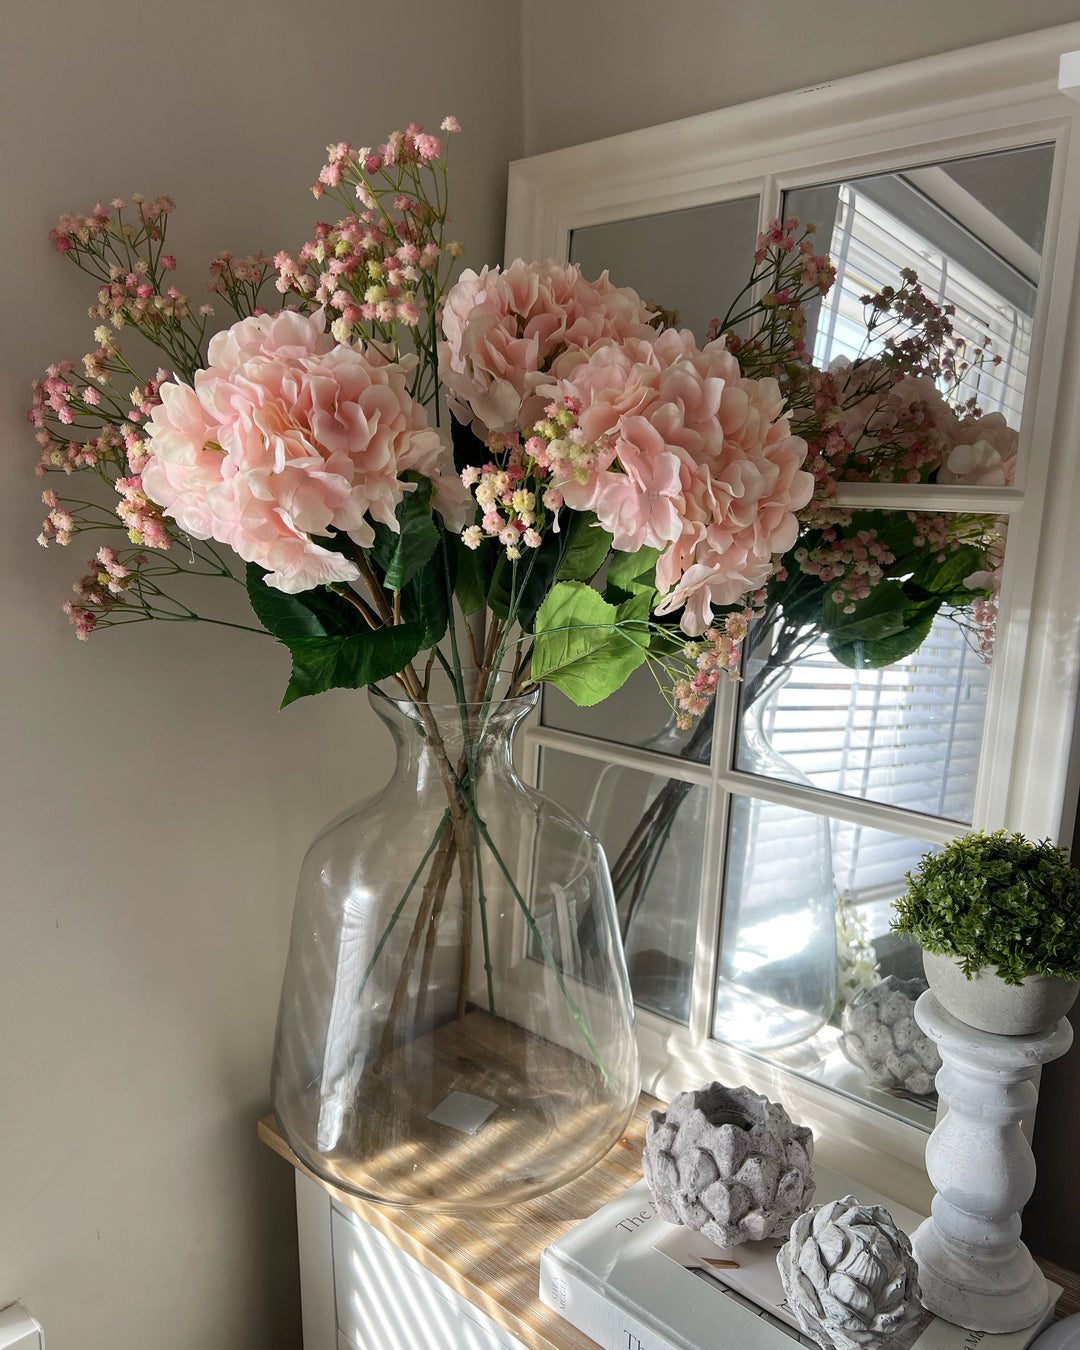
<point>1050,1225</point>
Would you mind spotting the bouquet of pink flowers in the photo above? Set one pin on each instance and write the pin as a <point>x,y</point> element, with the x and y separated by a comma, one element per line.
<point>307,442</point>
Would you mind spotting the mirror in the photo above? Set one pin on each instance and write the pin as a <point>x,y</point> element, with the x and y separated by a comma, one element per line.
<point>799,816</point>
<point>807,894</point>
<point>972,229</point>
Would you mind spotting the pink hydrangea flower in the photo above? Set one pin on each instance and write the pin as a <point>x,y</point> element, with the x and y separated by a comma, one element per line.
<point>503,329</point>
<point>688,456</point>
<point>288,435</point>
<point>983,453</point>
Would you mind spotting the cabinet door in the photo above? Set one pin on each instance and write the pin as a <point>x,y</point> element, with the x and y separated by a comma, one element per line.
<point>387,1301</point>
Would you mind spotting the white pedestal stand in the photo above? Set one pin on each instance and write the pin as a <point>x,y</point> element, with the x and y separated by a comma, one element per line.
<point>973,1268</point>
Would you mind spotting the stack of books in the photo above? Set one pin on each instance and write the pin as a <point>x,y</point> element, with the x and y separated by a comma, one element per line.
<point>630,1281</point>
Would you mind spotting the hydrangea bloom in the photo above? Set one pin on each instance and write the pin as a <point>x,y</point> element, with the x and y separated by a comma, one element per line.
<point>288,435</point>
<point>983,453</point>
<point>689,456</point>
<point>897,429</point>
<point>503,329</point>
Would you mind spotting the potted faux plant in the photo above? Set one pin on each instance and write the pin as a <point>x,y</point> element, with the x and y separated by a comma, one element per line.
<point>998,918</point>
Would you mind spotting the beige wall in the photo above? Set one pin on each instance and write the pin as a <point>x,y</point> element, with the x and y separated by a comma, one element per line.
<point>155,805</point>
<point>616,65</point>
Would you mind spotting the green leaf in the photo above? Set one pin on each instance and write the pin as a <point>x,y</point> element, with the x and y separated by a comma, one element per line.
<point>878,616</point>
<point>400,556</point>
<point>632,572</point>
<point>633,615</point>
<point>586,550</point>
<point>583,646</point>
<point>947,578</point>
<point>474,568</point>
<point>321,663</point>
<point>860,655</point>
<point>313,613</point>
<point>426,599</point>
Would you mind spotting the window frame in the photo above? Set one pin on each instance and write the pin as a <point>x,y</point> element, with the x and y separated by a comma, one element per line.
<point>1003,95</point>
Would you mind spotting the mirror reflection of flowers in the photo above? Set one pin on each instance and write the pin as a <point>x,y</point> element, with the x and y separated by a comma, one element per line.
<point>871,583</point>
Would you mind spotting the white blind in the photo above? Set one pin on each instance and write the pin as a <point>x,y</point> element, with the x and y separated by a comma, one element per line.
<point>869,246</point>
<point>906,735</point>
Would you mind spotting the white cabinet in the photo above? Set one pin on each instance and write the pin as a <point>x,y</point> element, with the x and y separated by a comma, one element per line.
<point>361,1292</point>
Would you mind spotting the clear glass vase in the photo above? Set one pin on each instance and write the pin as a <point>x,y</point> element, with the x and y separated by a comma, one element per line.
<point>659,822</point>
<point>777,982</point>
<point>456,1028</point>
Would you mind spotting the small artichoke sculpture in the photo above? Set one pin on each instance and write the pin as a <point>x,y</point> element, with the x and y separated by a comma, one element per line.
<point>882,1038</point>
<point>849,1275</point>
<point>728,1162</point>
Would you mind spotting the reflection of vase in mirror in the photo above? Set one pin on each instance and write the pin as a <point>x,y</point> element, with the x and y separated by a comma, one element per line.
<point>656,885</point>
<point>778,977</point>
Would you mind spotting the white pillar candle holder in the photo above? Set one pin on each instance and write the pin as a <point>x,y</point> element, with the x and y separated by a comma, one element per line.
<point>973,1268</point>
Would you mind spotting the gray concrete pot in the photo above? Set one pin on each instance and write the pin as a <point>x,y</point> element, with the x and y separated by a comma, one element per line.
<point>728,1163</point>
<point>987,1003</point>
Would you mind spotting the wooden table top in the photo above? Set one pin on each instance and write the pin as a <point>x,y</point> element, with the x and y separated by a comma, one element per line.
<point>492,1258</point>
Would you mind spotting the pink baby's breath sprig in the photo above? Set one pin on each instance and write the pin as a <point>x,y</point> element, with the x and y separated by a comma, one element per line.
<point>239,281</point>
<point>381,271</point>
<point>507,492</point>
<point>124,586</point>
<point>142,517</point>
<point>126,257</point>
<point>787,273</point>
<point>717,653</point>
<point>856,564</point>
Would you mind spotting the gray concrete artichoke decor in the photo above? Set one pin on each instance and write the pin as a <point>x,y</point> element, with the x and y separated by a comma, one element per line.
<point>849,1275</point>
<point>882,1038</point>
<point>729,1163</point>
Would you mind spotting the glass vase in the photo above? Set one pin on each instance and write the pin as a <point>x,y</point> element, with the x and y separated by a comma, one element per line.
<point>660,824</point>
<point>456,1027</point>
<point>777,982</point>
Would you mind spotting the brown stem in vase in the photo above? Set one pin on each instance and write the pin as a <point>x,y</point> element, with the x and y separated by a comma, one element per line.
<point>456,845</point>
<point>457,839</point>
<point>432,925</point>
<point>632,869</point>
<point>442,865</point>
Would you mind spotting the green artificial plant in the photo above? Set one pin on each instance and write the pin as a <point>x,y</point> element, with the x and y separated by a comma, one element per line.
<point>996,900</point>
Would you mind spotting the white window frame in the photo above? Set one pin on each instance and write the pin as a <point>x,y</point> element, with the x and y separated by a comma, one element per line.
<point>1002,95</point>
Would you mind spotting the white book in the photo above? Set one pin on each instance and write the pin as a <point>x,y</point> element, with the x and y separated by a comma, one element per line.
<point>630,1281</point>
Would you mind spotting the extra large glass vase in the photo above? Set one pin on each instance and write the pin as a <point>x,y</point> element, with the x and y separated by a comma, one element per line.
<point>456,1027</point>
<point>777,982</point>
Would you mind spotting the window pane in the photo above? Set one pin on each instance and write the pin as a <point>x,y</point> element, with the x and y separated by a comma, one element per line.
<point>656,869</point>
<point>973,231</point>
<point>807,906</point>
<point>637,714</point>
<point>680,260</point>
<point>907,733</point>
